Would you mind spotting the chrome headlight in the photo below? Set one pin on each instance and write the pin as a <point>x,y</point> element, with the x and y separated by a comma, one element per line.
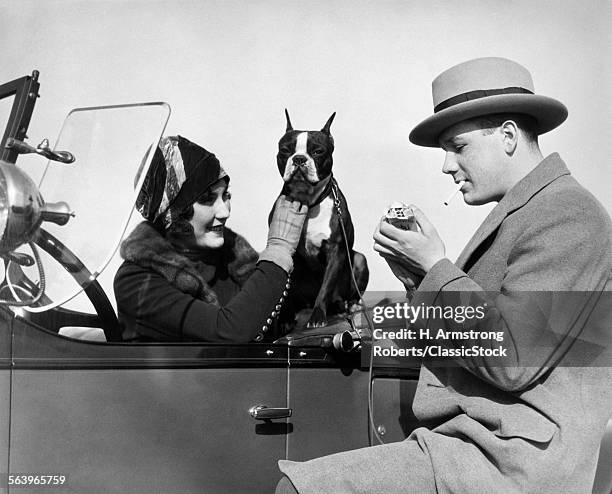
<point>20,207</point>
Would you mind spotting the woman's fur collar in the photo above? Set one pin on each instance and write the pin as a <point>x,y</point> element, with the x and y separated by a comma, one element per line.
<point>147,248</point>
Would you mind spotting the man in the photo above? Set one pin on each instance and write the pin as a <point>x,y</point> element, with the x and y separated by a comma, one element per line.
<point>533,426</point>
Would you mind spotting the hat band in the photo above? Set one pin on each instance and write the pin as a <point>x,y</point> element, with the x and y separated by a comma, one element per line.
<point>477,94</point>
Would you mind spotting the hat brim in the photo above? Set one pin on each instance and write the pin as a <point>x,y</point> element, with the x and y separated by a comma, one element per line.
<point>548,113</point>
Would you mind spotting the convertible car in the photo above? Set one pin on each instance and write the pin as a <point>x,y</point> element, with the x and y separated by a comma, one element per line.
<point>83,412</point>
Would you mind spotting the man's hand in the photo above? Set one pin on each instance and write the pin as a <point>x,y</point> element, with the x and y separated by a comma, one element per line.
<point>410,280</point>
<point>415,252</point>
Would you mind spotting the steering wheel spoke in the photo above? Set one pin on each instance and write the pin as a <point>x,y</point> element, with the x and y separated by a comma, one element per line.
<point>105,316</point>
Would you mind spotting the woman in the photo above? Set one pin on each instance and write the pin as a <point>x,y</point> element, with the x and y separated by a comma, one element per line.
<point>186,276</point>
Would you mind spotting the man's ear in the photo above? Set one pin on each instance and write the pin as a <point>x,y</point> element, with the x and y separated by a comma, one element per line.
<point>510,133</point>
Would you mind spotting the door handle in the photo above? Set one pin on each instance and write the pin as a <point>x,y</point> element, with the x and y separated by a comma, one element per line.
<point>262,412</point>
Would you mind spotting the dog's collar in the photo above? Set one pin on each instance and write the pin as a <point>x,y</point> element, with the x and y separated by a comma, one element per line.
<point>324,192</point>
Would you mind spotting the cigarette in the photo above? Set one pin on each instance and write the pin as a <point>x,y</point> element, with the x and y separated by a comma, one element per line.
<point>455,192</point>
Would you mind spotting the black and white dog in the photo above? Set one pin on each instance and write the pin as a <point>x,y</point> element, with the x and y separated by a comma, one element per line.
<point>321,278</point>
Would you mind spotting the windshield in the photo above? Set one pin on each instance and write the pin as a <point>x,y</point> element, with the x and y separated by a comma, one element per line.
<point>109,144</point>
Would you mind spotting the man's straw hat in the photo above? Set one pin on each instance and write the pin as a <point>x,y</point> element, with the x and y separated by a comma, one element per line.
<point>485,86</point>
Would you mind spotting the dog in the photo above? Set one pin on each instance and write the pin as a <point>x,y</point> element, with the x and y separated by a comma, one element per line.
<point>326,268</point>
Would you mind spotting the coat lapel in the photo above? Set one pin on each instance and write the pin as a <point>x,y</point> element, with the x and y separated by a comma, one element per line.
<point>488,226</point>
<point>548,170</point>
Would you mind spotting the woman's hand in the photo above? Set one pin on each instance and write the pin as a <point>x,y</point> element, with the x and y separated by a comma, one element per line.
<point>287,222</point>
<point>285,232</point>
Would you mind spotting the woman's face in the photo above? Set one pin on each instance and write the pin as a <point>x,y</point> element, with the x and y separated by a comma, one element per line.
<point>210,213</point>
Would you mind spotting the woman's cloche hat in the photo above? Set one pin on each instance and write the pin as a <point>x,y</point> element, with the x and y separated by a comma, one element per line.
<point>180,172</point>
<point>485,86</point>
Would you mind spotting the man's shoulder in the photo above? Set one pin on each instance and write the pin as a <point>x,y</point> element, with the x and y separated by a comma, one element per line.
<point>565,198</point>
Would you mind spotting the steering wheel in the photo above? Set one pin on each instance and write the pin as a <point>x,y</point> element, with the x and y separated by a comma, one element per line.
<point>105,316</point>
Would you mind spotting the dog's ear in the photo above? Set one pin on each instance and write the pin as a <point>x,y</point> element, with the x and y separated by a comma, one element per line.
<point>327,125</point>
<point>289,126</point>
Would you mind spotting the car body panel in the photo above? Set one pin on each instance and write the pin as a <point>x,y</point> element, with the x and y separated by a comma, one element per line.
<point>330,410</point>
<point>5,392</point>
<point>145,418</point>
<point>393,391</point>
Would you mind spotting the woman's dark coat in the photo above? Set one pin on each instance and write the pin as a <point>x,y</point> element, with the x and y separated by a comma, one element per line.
<point>165,295</point>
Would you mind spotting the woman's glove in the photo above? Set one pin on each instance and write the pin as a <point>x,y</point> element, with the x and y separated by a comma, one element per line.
<point>285,231</point>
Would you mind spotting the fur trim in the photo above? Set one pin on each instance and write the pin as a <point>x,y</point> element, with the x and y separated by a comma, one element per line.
<point>147,248</point>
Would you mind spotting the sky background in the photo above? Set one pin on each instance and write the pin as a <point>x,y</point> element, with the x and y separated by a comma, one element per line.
<point>228,69</point>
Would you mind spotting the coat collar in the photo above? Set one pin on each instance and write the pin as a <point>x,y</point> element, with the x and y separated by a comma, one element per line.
<point>548,170</point>
<point>147,248</point>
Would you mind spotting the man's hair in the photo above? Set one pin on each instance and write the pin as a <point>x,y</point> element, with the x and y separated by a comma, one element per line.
<point>526,123</point>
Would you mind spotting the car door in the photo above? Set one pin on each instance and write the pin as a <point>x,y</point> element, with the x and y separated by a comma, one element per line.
<point>328,393</point>
<point>142,418</point>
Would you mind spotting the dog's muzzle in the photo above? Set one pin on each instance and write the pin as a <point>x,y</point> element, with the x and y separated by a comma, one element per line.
<point>301,167</point>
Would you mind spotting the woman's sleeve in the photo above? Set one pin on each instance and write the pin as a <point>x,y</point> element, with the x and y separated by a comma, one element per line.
<point>166,313</point>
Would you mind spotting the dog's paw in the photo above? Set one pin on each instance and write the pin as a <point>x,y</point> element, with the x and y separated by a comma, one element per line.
<point>318,319</point>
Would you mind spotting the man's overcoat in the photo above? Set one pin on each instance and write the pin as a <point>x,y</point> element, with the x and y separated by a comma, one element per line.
<point>531,427</point>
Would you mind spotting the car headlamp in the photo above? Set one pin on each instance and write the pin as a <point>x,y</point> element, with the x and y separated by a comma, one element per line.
<point>21,207</point>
